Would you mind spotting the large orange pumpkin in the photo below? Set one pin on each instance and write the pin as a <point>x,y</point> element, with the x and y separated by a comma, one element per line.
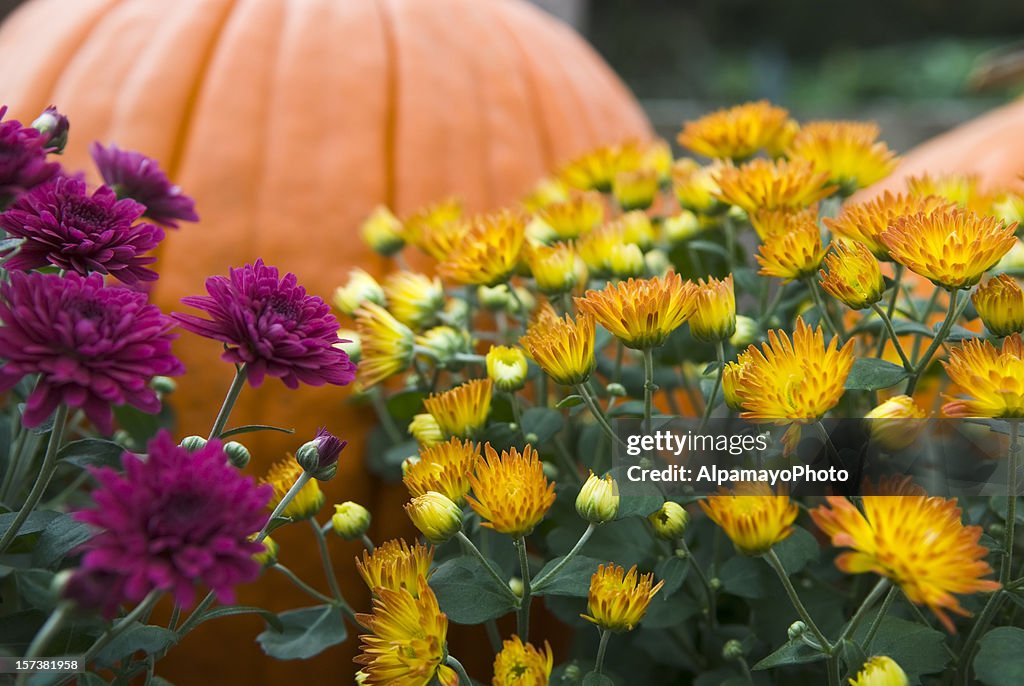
<point>288,120</point>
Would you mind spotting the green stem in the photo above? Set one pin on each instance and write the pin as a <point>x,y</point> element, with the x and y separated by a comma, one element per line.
<point>897,281</point>
<point>197,615</point>
<point>602,647</point>
<point>229,402</point>
<point>299,583</point>
<point>114,631</point>
<point>708,591</point>
<point>709,406</point>
<point>325,558</point>
<point>967,652</point>
<point>523,616</point>
<point>553,572</point>
<point>887,321</point>
<point>288,497</point>
<point>464,679</point>
<point>46,471</point>
<point>368,542</point>
<point>866,605</point>
<point>951,314</point>
<point>876,624</point>
<point>773,559</point>
<point>595,410</point>
<point>50,628</point>
<point>826,316</point>
<point>745,668</point>
<point>773,305</point>
<point>384,417</point>
<point>471,547</point>
<point>649,388</point>
<point>1013,459</point>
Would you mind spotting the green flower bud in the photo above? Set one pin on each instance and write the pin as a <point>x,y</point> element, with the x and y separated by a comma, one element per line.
<point>493,297</point>
<point>669,521</point>
<point>615,390</point>
<point>515,584</point>
<point>732,650</point>
<point>163,385</point>
<point>598,500</point>
<point>796,630</point>
<point>193,443</point>
<point>238,454</point>
<point>747,332</point>
<point>435,515</point>
<point>351,520</point>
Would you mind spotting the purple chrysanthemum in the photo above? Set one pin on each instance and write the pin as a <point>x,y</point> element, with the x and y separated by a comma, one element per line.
<point>62,225</point>
<point>135,176</point>
<point>271,326</point>
<point>23,162</point>
<point>93,346</point>
<point>171,521</point>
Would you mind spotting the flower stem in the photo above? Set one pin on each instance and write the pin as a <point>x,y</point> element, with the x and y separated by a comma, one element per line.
<point>46,633</point>
<point>299,583</point>
<point>602,647</point>
<point>114,631</point>
<point>649,388</point>
<point>869,601</point>
<point>553,572</point>
<point>708,591</point>
<point>891,307</point>
<point>471,547</point>
<point>876,624</point>
<point>773,559</point>
<point>197,615</point>
<point>368,542</point>
<point>887,321</point>
<point>951,314</point>
<point>1012,466</point>
<point>523,617</point>
<point>46,471</point>
<point>464,679</point>
<point>229,402</point>
<point>288,497</point>
<point>325,558</point>
<point>595,409</point>
<point>709,406</point>
<point>383,416</point>
<point>826,316</point>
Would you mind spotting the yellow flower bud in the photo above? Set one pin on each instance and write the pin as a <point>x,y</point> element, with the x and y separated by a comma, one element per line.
<point>626,261</point>
<point>657,262</point>
<point>425,429</point>
<point>747,331</point>
<point>360,288</point>
<point>1000,304</point>
<point>443,343</point>
<point>635,189</point>
<point>348,340</point>
<point>896,423</point>
<point>493,297</point>
<point>731,379</point>
<point>506,367</point>
<point>269,554</point>
<point>669,521</point>
<point>382,231</point>
<point>598,500</point>
<point>695,187</point>
<point>880,671</point>
<point>714,319</point>
<point>681,227</point>
<point>853,277</point>
<point>555,268</point>
<point>350,520</point>
<point>435,515</point>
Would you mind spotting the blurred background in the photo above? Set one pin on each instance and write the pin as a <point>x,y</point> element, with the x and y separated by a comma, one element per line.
<point>917,67</point>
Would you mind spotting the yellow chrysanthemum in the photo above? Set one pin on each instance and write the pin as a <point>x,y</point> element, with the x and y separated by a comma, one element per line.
<point>781,221</point>
<point>994,378</point>
<point>752,516</point>
<point>963,189</point>
<point>489,252</point>
<point>545,192</point>
<point>575,217</point>
<point>382,231</point>
<point>462,410</point>
<point>849,151</point>
<point>395,565</point>
<point>951,248</point>
<point>854,277</point>
<point>562,348</point>
<point>1009,207</point>
<point>406,646</point>
<point>658,156</point>
<point>618,599</point>
<point>437,228</point>
<point>443,467</point>
<point>772,185</point>
<point>681,227</point>
<point>510,492</point>
<point>738,132</point>
<point>556,269</point>
<point>506,367</point>
<point>714,317</point>
<point>414,299</point>
<point>896,423</point>
<point>917,541</point>
<point>642,312</point>
<point>695,187</point>
<point>598,247</point>
<point>796,254</point>
<point>386,345</point>
<point>635,189</point>
<point>865,222</point>
<point>794,381</point>
<point>521,664</point>
<point>425,429</point>
<point>596,170</point>
<point>360,288</point>
<point>732,379</point>
<point>282,476</point>
<point>880,671</point>
<point>1000,304</point>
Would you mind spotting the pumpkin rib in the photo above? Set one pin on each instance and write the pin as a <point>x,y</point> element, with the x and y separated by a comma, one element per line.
<point>387,25</point>
<point>485,152</point>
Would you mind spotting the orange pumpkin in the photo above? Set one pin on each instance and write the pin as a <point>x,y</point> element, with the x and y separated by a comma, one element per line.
<point>288,120</point>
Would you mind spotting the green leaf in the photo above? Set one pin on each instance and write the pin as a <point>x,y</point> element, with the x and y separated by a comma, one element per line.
<point>59,538</point>
<point>139,425</point>
<point>253,428</point>
<point>959,333</point>
<point>569,401</point>
<point>672,570</point>
<point>307,631</point>
<point>670,610</point>
<point>630,408</point>
<point>797,550</point>
<point>91,452</point>
<point>137,637</point>
<point>36,522</point>
<point>544,422</point>
<point>231,610</point>
<point>871,374</point>
<point>572,580</point>
<point>751,577</point>
<point>794,652</point>
<point>595,679</point>
<point>35,588</point>
<point>467,593</point>
<point>708,247</point>
<point>917,648</point>
<point>1000,659</point>
<point>406,404</point>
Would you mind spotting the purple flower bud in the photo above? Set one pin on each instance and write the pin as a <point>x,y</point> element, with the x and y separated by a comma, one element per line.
<point>23,164</point>
<point>133,175</point>
<point>319,457</point>
<point>53,129</point>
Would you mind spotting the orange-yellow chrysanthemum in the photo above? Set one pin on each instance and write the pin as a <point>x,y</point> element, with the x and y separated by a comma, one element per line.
<point>406,646</point>
<point>618,599</point>
<point>796,380</point>
<point>993,378</point>
<point>795,254</point>
<point>963,189</point>
<point>917,541</point>
<point>714,313</point>
<point>1000,304</point>
<point>849,151</point>
<point>781,221</point>
<point>738,132</point>
<point>394,565</point>
<point>865,222</point>
<point>695,187</point>
<point>489,252</point>
<point>521,664</point>
<point>462,410</point>
<point>510,492</point>
<point>772,185</point>
<point>387,345</point>
<point>562,348</point>
<point>854,277</point>
<point>414,299</point>
<point>444,468</point>
<point>752,516</point>
<point>575,217</point>
<point>556,269</point>
<point>596,170</point>
<point>436,229</point>
<point>951,248</point>
<point>642,312</point>
<point>635,189</point>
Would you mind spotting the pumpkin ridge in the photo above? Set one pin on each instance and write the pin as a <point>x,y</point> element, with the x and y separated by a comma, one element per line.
<point>486,151</point>
<point>391,98</point>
